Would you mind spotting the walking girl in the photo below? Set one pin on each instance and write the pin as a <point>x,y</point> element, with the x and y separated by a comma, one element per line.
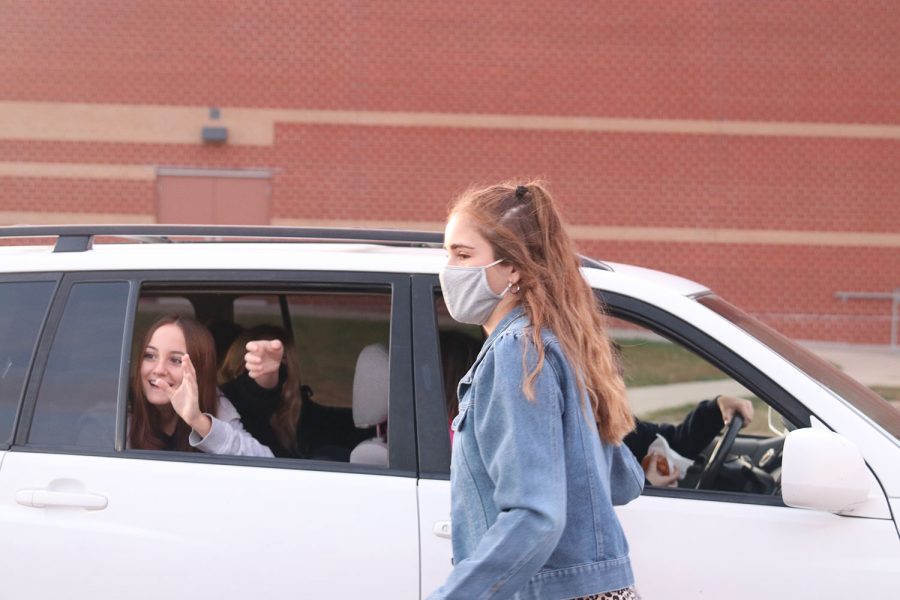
<point>537,462</point>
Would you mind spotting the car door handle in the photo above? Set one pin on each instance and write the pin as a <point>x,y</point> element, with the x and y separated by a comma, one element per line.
<point>48,498</point>
<point>442,529</point>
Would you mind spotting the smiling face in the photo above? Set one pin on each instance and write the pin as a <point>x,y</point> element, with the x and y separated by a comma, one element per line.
<point>161,359</point>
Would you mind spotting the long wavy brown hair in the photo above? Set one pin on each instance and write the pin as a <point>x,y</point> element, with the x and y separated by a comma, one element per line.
<point>146,428</point>
<point>525,230</point>
<point>286,417</point>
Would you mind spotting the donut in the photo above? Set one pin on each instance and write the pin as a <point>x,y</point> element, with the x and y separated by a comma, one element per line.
<point>662,464</point>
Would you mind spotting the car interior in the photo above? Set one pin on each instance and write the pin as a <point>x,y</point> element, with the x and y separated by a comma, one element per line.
<point>665,382</point>
<point>342,343</point>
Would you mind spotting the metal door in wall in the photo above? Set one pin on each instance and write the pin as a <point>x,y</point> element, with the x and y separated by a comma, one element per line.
<point>213,196</point>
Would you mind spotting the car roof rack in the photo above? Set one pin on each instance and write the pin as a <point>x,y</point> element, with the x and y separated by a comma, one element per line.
<point>80,238</point>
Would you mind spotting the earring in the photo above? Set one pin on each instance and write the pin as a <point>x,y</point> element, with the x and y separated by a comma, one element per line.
<point>517,290</point>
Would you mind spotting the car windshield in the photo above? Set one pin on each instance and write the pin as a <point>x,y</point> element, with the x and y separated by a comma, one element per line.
<point>865,400</point>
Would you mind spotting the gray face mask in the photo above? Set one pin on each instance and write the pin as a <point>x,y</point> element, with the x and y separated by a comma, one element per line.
<point>467,294</point>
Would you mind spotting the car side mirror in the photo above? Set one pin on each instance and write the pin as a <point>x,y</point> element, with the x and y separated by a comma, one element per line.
<point>822,470</point>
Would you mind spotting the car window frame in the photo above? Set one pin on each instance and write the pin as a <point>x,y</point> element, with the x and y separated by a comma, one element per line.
<point>431,410</point>
<point>431,414</point>
<point>705,346</point>
<point>55,278</point>
<point>402,447</point>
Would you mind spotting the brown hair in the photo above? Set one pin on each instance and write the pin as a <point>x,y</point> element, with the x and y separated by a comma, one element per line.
<point>287,414</point>
<point>146,429</point>
<point>524,228</point>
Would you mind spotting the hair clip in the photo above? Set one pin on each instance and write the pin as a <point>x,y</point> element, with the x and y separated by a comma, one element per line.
<point>521,191</point>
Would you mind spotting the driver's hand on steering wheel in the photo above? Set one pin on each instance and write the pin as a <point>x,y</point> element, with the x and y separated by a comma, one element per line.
<point>729,405</point>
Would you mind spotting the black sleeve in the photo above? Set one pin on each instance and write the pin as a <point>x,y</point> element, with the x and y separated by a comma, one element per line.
<point>688,439</point>
<point>639,440</point>
<point>250,399</point>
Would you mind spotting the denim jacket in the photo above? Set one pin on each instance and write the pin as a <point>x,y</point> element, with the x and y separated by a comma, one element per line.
<point>532,484</point>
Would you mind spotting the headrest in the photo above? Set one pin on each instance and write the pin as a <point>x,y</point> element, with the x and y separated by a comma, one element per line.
<point>371,386</point>
<point>370,452</point>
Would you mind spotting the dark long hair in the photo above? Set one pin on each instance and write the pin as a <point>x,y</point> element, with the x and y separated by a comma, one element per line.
<point>458,351</point>
<point>524,228</point>
<point>146,429</point>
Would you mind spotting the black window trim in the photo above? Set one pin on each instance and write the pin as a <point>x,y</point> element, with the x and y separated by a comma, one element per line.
<point>433,440</point>
<point>402,410</point>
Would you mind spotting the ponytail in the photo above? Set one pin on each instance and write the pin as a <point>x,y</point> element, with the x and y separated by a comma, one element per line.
<point>524,227</point>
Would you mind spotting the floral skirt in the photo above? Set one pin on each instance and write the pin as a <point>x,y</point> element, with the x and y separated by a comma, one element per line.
<point>623,594</point>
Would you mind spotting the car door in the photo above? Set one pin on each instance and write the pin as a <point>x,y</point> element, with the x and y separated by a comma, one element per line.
<point>688,543</point>
<point>89,517</point>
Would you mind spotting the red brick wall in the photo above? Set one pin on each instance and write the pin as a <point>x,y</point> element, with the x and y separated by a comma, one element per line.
<point>829,62</point>
<point>76,195</point>
<point>789,287</point>
<point>815,61</point>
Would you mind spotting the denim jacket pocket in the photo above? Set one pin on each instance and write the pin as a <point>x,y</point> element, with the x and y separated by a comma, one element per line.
<point>465,400</point>
<point>460,417</point>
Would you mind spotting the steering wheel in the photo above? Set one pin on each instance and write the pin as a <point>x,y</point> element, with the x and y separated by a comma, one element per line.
<point>717,457</point>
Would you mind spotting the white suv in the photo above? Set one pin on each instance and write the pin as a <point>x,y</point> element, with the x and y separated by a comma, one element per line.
<point>803,504</point>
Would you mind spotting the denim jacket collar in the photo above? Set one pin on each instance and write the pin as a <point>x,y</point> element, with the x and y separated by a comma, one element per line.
<point>515,314</point>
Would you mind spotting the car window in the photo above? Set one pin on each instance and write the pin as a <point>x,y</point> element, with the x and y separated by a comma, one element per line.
<point>678,396</point>
<point>24,307</point>
<point>864,399</point>
<point>76,402</point>
<point>674,393</point>
<point>665,381</point>
<point>336,366</point>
